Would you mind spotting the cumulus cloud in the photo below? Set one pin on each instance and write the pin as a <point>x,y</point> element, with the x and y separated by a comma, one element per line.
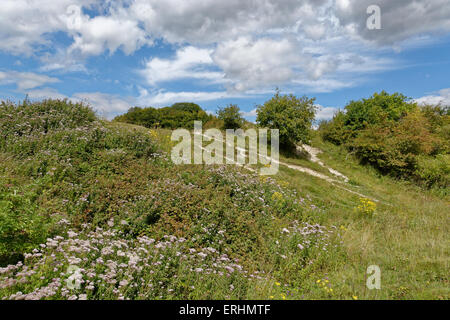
<point>325,113</point>
<point>163,98</point>
<point>25,80</point>
<point>45,93</point>
<point>242,45</point>
<point>25,23</point>
<point>106,105</point>
<point>250,115</point>
<point>442,98</point>
<point>131,24</point>
<point>189,62</point>
<point>400,19</point>
<point>206,21</point>
<point>92,36</point>
<point>257,63</point>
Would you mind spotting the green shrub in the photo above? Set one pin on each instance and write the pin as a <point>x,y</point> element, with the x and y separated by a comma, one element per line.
<point>434,171</point>
<point>57,147</point>
<point>179,115</point>
<point>391,133</point>
<point>292,116</point>
<point>335,131</point>
<point>231,117</point>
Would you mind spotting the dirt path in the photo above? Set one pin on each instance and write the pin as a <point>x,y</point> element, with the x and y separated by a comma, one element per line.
<point>312,152</point>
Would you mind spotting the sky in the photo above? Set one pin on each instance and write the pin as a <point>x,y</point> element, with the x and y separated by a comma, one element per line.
<point>123,53</point>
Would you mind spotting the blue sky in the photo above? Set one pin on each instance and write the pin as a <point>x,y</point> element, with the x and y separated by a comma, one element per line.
<point>118,54</point>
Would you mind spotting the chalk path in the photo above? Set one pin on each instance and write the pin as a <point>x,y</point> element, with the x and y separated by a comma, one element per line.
<point>313,152</point>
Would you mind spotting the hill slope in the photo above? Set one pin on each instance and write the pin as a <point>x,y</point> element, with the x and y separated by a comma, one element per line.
<point>95,210</point>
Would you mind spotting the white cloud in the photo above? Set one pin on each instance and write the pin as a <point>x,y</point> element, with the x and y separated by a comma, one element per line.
<point>92,36</point>
<point>323,85</point>
<point>249,114</point>
<point>106,105</point>
<point>61,60</point>
<point>400,19</point>
<point>189,62</point>
<point>45,93</point>
<point>25,23</point>
<point>443,98</point>
<point>206,21</point>
<point>25,80</point>
<point>162,98</point>
<point>325,113</point>
<point>261,63</point>
<point>131,24</point>
<point>319,45</point>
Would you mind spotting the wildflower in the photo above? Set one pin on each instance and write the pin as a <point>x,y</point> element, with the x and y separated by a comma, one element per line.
<point>277,284</point>
<point>366,206</point>
<point>229,269</point>
<point>355,297</point>
<point>71,234</point>
<point>123,283</point>
<point>277,196</point>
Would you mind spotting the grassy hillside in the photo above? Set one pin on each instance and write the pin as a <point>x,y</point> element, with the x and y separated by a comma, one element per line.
<point>105,198</point>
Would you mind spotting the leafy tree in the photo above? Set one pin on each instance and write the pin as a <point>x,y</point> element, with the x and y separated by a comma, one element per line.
<point>231,117</point>
<point>377,109</point>
<point>396,136</point>
<point>179,115</point>
<point>335,131</point>
<point>292,116</point>
<point>187,107</point>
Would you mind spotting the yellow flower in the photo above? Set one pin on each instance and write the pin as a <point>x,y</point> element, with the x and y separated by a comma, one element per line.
<point>277,196</point>
<point>366,206</point>
<point>355,297</point>
<point>318,281</point>
<point>271,297</point>
<point>277,283</point>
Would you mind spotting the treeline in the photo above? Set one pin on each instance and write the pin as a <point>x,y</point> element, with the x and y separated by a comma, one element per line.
<point>179,115</point>
<point>395,135</point>
<point>291,115</point>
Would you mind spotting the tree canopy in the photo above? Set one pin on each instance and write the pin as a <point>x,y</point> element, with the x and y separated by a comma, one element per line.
<point>292,116</point>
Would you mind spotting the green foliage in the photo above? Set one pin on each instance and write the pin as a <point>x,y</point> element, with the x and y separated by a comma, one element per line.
<point>231,117</point>
<point>434,171</point>
<point>291,115</point>
<point>335,131</point>
<point>179,115</point>
<point>379,108</point>
<point>53,144</point>
<point>391,133</point>
<point>88,173</point>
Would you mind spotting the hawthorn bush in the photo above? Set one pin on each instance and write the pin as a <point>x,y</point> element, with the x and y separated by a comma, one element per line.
<point>396,136</point>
